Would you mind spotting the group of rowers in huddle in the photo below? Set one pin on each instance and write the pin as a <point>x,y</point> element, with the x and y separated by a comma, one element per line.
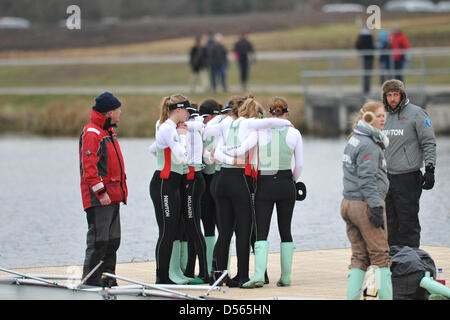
<point>225,167</point>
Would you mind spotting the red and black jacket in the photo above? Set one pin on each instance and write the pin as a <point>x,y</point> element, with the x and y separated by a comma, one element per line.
<point>101,163</point>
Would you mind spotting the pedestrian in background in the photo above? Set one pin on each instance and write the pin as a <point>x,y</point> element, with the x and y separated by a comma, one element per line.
<point>364,43</point>
<point>399,41</point>
<point>198,63</point>
<point>384,58</point>
<point>219,62</point>
<point>244,54</point>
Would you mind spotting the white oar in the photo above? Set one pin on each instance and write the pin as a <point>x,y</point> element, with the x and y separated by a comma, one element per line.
<point>180,294</point>
<point>217,282</point>
<point>35,278</point>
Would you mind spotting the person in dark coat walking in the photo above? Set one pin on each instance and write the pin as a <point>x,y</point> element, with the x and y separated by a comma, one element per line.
<point>219,62</point>
<point>198,63</point>
<point>364,42</point>
<point>243,51</point>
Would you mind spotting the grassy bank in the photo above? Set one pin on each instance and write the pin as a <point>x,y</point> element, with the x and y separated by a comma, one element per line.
<point>423,31</point>
<point>267,72</point>
<point>62,115</point>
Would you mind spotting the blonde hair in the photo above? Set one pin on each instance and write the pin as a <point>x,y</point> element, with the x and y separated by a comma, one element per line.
<point>277,105</point>
<point>166,102</point>
<point>251,109</point>
<point>236,102</point>
<point>367,113</point>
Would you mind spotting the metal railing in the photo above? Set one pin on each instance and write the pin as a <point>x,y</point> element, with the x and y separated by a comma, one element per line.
<point>335,71</point>
<point>338,65</point>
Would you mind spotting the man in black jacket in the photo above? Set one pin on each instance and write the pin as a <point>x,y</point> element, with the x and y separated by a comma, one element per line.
<point>219,62</point>
<point>198,62</point>
<point>364,42</point>
<point>243,50</point>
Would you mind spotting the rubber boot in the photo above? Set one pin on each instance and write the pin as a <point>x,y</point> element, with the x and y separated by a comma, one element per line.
<point>286,255</point>
<point>175,273</point>
<point>384,283</point>
<point>210,243</point>
<point>261,256</point>
<point>184,253</point>
<point>355,282</point>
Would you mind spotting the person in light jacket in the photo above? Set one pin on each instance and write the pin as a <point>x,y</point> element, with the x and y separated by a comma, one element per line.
<point>413,143</point>
<point>365,186</point>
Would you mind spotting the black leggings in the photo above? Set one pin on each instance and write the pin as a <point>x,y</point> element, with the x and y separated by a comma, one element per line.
<point>165,194</point>
<point>208,208</point>
<point>234,206</point>
<point>191,210</point>
<point>275,189</point>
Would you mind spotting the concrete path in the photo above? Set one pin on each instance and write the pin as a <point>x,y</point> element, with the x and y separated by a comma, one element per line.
<point>144,90</point>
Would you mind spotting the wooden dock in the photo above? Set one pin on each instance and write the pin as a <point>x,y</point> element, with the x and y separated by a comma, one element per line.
<point>316,274</point>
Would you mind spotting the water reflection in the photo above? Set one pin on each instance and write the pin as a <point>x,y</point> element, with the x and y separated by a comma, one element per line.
<point>43,222</point>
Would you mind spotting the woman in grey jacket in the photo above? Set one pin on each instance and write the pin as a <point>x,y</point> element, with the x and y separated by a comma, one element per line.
<point>365,187</point>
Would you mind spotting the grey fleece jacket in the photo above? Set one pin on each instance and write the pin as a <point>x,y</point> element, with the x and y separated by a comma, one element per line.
<point>364,167</point>
<point>411,139</point>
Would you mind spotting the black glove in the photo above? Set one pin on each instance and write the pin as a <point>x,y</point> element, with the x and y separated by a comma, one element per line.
<point>428,177</point>
<point>300,186</point>
<point>376,217</point>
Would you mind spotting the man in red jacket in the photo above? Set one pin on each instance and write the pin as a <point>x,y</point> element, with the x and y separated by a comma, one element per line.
<point>103,187</point>
<point>399,41</point>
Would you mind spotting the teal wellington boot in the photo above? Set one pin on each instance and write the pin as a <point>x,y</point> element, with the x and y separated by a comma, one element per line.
<point>210,243</point>
<point>286,255</point>
<point>384,283</point>
<point>175,273</point>
<point>184,253</point>
<point>261,256</point>
<point>355,283</point>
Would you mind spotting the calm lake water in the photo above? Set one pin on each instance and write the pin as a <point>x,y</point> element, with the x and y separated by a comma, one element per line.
<point>42,222</point>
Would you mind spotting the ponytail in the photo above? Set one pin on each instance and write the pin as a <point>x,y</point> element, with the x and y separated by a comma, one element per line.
<point>166,102</point>
<point>164,113</point>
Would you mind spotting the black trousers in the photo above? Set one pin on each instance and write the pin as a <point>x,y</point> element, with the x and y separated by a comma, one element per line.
<point>398,66</point>
<point>367,64</point>
<point>191,212</point>
<point>402,209</point>
<point>244,69</point>
<point>103,241</point>
<point>165,194</point>
<point>275,190</point>
<point>235,214</point>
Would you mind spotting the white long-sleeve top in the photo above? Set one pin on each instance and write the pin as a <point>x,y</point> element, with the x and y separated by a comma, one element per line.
<point>263,137</point>
<point>194,143</point>
<point>217,128</point>
<point>167,137</point>
<point>247,127</point>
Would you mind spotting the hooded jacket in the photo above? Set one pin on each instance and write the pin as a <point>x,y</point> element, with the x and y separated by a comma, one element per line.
<point>411,136</point>
<point>364,168</point>
<point>101,163</point>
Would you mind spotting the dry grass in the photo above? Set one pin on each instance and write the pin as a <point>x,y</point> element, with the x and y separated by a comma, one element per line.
<point>66,115</point>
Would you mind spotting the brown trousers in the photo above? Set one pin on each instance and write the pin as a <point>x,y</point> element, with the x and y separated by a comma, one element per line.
<point>369,244</point>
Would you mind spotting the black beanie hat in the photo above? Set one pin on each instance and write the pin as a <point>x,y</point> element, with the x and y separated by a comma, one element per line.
<point>106,102</point>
